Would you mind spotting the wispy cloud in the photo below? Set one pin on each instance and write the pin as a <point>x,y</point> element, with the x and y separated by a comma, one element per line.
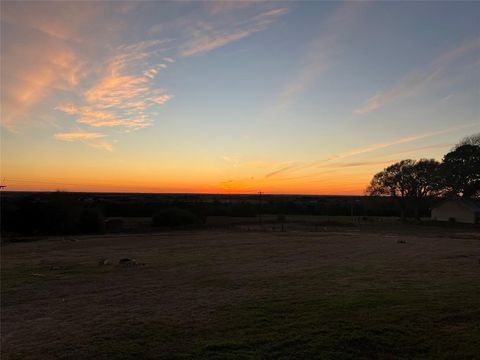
<point>122,96</point>
<point>99,118</point>
<point>417,80</point>
<point>241,185</point>
<point>221,7</point>
<point>72,136</point>
<point>421,148</point>
<point>285,169</point>
<point>232,160</point>
<point>304,182</point>
<point>29,75</point>
<point>334,168</point>
<point>261,164</point>
<point>204,36</point>
<point>100,144</point>
<point>329,162</point>
<point>365,163</point>
<point>44,52</point>
<point>403,140</point>
<point>92,139</point>
<point>127,87</point>
<point>321,52</point>
<point>58,59</point>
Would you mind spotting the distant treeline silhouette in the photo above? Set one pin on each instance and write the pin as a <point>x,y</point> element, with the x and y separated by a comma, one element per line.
<point>56,213</point>
<point>63,213</point>
<point>406,189</point>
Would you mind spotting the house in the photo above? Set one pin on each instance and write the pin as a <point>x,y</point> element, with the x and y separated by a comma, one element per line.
<point>457,210</point>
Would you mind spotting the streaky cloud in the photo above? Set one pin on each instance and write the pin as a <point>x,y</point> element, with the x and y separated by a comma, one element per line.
<point>47,52</point>
<point>72,136</point>
<point>320,53</point>
<point>219,7</point>
<point>124,93</point>
<point>420,148</point>
<point>399,141</point>
<point>366,149</point>
<point>283,170</point>
<point>95,140</point>
<point>416,80</point>
<point>205,36</point>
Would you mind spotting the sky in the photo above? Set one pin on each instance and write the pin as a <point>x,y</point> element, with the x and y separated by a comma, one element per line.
<point>231,97</point>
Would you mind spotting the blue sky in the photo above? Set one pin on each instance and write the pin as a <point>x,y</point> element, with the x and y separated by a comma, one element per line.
<point>283,97</point>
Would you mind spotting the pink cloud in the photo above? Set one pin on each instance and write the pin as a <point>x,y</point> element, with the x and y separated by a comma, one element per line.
<point>72,136</point>
<point>124,91</point>
<point>95,140</point>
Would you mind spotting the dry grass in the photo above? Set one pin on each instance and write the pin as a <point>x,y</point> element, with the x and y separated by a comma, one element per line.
<point>342,293</point>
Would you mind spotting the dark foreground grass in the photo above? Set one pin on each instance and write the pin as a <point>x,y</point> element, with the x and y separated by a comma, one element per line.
<point>244,296</point>
<point>315,320</point>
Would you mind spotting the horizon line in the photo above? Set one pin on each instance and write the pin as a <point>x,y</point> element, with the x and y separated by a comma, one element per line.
<point>180,193</point>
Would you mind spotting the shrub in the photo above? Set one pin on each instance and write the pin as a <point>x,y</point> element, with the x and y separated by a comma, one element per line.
<point>174,217</point>
<point>91,221</point>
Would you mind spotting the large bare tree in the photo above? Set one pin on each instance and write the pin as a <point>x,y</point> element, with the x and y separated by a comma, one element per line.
<point>407,180</point>
<point>469,140</point>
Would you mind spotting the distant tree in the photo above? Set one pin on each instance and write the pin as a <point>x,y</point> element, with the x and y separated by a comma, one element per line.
<point>408,180</point>
<point>469,140</point>
<point>461,171</point>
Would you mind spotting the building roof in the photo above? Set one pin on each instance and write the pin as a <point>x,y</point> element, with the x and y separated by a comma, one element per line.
<point>471,204</point>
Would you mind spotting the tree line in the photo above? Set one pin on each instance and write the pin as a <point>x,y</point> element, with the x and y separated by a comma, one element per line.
<point>412,181</point>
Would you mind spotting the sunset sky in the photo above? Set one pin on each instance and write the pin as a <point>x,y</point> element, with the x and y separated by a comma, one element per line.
<point>231,97</point>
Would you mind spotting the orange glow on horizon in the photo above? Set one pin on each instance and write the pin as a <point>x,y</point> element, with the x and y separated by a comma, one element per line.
<point>327,186</point>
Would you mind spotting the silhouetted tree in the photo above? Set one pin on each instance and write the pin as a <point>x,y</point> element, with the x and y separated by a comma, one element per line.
<point>469,140</point>
<point>392,181</point>
<point>461,171</point>
<point>407,180</point>
<point>425,181</point>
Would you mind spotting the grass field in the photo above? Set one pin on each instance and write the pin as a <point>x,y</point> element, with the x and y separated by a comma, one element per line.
<point>390,292</point>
